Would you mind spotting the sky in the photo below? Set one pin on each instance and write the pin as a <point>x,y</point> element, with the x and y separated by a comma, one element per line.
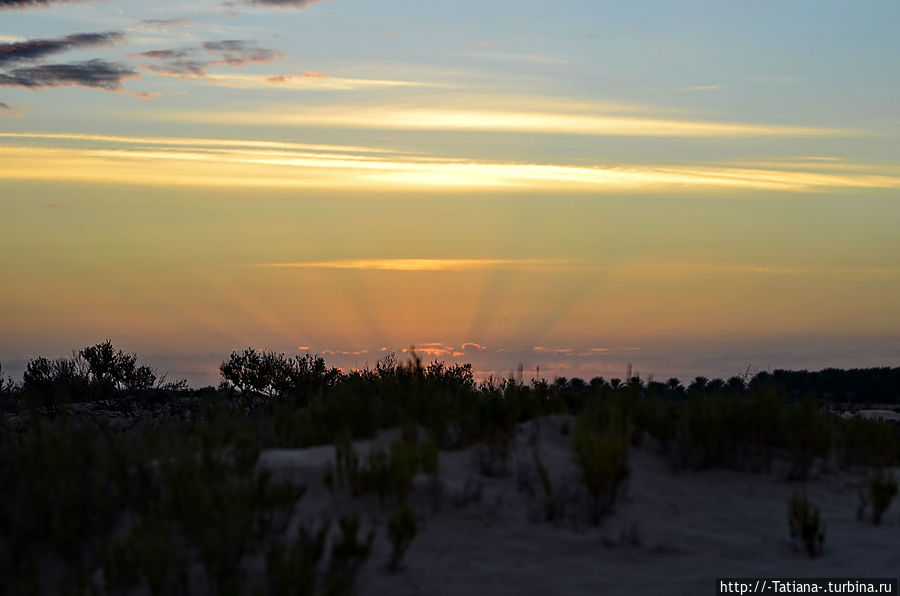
<point>689,188</point>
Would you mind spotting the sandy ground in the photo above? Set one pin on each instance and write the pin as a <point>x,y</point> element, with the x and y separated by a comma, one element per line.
<point>672,533</point>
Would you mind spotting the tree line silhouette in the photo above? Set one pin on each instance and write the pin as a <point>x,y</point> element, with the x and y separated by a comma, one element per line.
<point>102,373</point>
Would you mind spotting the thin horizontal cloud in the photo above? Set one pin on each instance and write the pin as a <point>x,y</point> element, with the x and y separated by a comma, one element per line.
<point>419,264</point>
<point>98,74</point>
<point>700,88</point>
<point>35,49</point>
<point>534,58</point>
<point>546,350</point>
<point>687,268</point>
<point>406,118</point>
<point>821,164</point>
<point>235,162</point>
<point>312,80</point>
<point>297,4</point>
<point>643,270</point>
<point>161,23</point>
<point>193,142</point>
<point>195,61</point>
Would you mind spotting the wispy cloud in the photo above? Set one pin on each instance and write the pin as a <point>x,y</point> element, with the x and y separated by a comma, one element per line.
<point>700,88</point>
<point>7,111</point>
<point>193,142</point>
<point>546,350</point>
<point>687,268</point>
<point>311,80</point>
<point>96,73</point>
<point>440,118</point>
<point>35,49</point>
<point>155,24</point>
<point>297,4</point>
<point>195,61</point>
<point>235,162</point>
<point>638,269</point>
<point>534,58</point>
<point>420,264</point>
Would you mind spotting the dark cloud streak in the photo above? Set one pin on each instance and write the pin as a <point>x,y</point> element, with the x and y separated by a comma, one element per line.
<point>35,49</point>
<point>288,4</point>
<point>97,74</point>
<point>14,4</point>
<point>282,3</point>
<point>173,22</point>
<point>194,61</point>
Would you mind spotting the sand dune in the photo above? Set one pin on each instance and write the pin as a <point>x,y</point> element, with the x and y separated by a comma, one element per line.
<point>672,532</point>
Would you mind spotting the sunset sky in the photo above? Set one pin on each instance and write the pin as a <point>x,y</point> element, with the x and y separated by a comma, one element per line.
<point>693,187</point>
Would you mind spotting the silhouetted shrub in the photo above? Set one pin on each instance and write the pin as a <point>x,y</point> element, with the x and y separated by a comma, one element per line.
<point>868,443</point>
<point>8,389</point>
<point>53,383</point>
<point>546,484</point>
<point>384,473</point>
<point>808,436</point>
<point>493,457</point>
<point>147,551</point>
<point>882,490</point>
<point>600,441</point>
<point>429,458</point>
<point>95,373</point>
<point>223,507</point>
<point>402,529</point>
<point>348,555</point>
<point>805,524</point>
<point>272,374</point>
<point>293,570</point>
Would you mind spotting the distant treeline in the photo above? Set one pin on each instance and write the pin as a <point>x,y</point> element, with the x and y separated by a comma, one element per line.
<point>857,385</point>
<point>103,373</point>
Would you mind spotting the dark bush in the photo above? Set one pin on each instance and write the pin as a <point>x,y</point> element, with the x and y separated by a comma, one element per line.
<point>600,441</point>
<point>293,570</point>
<point>348,555</point>
<point>273,374</point>
<point>882,490</point>
<point>402,529</point>
<point>805,525</point>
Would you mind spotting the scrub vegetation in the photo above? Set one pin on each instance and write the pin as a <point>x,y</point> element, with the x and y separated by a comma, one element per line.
<point>115,481</point>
